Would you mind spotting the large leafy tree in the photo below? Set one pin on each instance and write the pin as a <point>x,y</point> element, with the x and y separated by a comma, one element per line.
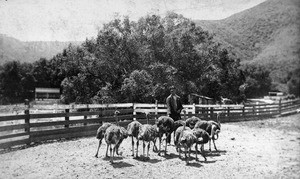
<point>10,84</point>
<point>138,87</point>
<point>28,83</point>
<point>163,76</point>
<point>257,79</point>
<point>79,89</point>
<point>42,73</point>
<point>172,50</point>
<point>294,82</point>
<point>138,61</point>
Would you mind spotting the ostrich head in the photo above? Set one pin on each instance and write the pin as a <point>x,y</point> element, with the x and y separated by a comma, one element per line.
<point>116,116</point>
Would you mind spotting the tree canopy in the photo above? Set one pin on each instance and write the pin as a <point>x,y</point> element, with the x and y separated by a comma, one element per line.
<point>137,61</point>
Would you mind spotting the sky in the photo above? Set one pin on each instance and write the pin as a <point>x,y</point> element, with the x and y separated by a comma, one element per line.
<point>76,20</point>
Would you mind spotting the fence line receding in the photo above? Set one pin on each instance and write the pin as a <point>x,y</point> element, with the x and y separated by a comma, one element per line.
<point>69,121</point>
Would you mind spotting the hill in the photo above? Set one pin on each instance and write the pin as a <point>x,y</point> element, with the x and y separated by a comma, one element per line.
<point>266,34</point>
<point>13,49</point>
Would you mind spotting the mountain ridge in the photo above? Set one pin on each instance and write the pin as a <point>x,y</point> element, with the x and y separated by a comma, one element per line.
<point>29,51</point>
<point>267,34</point>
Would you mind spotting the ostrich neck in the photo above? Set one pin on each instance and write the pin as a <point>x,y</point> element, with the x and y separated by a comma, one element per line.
<point>117,121</point>
<point>147,117</point>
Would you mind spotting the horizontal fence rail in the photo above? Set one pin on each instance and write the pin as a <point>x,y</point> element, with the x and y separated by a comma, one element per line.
<point>69,121</point>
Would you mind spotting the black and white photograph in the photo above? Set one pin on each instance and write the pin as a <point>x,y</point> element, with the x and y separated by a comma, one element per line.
<point>149,89</point>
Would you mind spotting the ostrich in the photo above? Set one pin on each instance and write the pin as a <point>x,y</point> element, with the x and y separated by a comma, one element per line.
<point>185,138</point>
<point>203,138</point>
<point>176,125</point>
<point>178,135</point>
<point>124,133</point>
<point>190,122</point>
<point>179,124</point>
<point>148,133</point>
<point>100,135</point>
<point>165,125</point>
<point>114,136</point>
<point>133,129</point>
<point>212,128</point>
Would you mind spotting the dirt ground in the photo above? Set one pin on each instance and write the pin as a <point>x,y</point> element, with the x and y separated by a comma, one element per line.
<point>267,148</point>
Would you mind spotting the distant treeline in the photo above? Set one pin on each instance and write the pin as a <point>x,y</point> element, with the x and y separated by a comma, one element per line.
<point>132,61</point>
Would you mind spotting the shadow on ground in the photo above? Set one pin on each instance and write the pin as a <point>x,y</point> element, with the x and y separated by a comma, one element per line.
<point>121,164</point>
<point>146,159</point>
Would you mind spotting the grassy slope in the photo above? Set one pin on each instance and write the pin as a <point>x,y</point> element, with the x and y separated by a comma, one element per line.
<point>281,56</point>
<point>266,34</point>
<point>13,49</point>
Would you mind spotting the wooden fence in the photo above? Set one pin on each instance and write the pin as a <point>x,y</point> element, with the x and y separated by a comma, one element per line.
<point>83,120</point>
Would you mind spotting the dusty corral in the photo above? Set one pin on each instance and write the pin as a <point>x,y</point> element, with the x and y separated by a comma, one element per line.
<point>255,149</point>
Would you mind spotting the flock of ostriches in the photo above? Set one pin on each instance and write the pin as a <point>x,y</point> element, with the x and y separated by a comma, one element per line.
<point>186,133</point>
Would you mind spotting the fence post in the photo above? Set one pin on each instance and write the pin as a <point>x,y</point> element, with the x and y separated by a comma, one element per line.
<point>211,112</point>
<point>228,111</point>
<point>156,108</point>
<point>134,113</point>
<point>243,111</point>
<point>194,108</point>
<point>279,106</point>
<point>67,118</point>
<point>85,117</point>
<point>27,119</point>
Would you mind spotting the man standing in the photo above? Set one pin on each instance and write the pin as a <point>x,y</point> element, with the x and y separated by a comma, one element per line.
<point>174,107</point>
